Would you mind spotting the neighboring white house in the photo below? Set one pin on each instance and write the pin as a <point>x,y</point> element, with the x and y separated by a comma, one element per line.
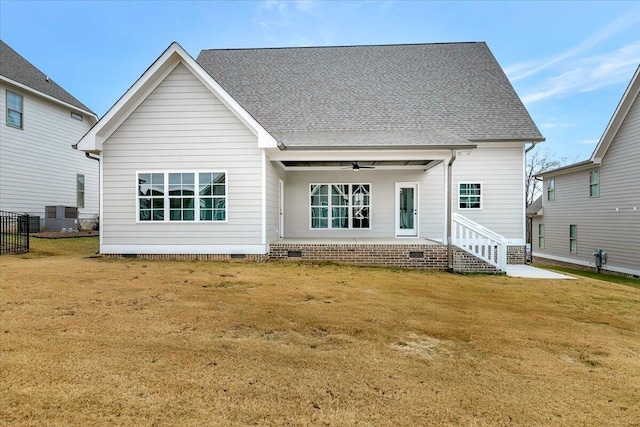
<point>39,123</point>
<point>595,204</point>
<point>246,150</point>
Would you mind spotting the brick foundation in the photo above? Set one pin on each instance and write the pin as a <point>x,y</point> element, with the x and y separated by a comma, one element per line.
<point>467,263</point>
<point>429,257</point>
<point>516,254</point>
<point>194,257</point>
<point>426,257</point>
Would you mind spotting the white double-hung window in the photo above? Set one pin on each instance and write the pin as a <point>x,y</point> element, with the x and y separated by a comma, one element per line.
<point>340,206</point>
<point>14,110</point>
<point>182,196</point>
<point>470,195</point>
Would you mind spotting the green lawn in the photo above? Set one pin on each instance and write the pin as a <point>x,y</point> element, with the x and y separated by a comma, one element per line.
<point>592,275</point>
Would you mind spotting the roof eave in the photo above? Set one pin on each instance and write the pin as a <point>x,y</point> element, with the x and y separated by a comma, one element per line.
<point>584,165</point>
<point>527,139</point>
<point>375,147</point>
<point>48,97</point>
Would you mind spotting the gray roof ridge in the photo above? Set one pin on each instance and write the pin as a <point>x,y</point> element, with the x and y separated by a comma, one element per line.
<point>342,46</point>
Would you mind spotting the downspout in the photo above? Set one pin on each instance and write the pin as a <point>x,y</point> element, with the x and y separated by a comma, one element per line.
<point>97,160</point>
<point>532,146</point>
<point>450,201</point>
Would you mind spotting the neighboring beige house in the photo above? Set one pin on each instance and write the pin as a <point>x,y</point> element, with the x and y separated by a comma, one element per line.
<point>595,204</point>
<point>39,123</point>
<point>366,154</point>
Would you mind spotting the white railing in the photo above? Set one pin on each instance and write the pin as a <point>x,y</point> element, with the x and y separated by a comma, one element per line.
<point>479,241</point>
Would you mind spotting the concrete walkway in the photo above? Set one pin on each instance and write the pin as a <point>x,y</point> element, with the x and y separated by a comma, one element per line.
<point>521,270</point>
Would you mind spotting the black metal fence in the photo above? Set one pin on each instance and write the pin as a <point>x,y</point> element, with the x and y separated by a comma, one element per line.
<point>14,233</point>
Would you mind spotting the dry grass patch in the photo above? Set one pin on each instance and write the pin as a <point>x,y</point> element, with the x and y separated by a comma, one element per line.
<point>130,342</point>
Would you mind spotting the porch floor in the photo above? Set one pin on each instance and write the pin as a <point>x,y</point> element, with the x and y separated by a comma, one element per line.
<point>357,241</point>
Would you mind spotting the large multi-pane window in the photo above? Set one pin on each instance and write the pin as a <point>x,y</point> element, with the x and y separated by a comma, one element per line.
<point>337,206</point>
<point>594,184</point>
<point>551,189</point>
<point>573,239</point>
<point>182,196</point>
<point>470,196</point>
<point>541,236</point>
<point>80,191</point>
<point>14,109</point>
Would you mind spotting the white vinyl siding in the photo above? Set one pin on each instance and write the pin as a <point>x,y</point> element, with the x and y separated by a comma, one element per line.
<point>499,167</point>
<point>182,126</point>
<point>610,222</point>
<point>274,173</point>
<point>38,166</point>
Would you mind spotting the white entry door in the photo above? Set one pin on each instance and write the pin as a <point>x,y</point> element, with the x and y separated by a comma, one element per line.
<point>407,209</point>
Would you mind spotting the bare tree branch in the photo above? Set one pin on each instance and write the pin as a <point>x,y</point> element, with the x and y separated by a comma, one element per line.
<point>539,160</point>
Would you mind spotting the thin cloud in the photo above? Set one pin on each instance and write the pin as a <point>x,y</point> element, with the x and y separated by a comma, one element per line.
<point>526,69</point>
<point>589,74</point>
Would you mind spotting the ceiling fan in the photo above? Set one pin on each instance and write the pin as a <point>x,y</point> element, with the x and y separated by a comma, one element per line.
<point>356,167</point>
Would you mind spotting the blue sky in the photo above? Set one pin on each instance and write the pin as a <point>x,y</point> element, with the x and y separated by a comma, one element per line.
<point>569,61</point>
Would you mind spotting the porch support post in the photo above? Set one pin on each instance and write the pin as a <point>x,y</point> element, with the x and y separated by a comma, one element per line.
<point>449,202</point>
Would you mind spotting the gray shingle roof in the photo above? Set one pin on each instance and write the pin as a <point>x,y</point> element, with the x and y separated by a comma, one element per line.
<point>449,91</point>
<point>535,207</point>
<point>15,67</point>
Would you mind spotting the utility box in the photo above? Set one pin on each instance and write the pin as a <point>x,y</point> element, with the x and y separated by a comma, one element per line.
<point>29,224</point>
<point>61,218</point>
<point>34,224</point>
<point>601,258</point>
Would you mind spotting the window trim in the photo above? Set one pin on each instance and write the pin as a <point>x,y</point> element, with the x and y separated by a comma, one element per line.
<point>21,112</point>
<point>541,233</point>
<point>595,185</point>
<point>551,190</point>
<point>573,238</point>
<point>166,197</point>
<point>77,116</point>
<point>78,191</point>
<point>481,196</point>
<point>349,206</point>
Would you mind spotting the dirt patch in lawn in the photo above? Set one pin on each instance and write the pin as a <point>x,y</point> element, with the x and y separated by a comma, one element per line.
<point>129,342</point>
